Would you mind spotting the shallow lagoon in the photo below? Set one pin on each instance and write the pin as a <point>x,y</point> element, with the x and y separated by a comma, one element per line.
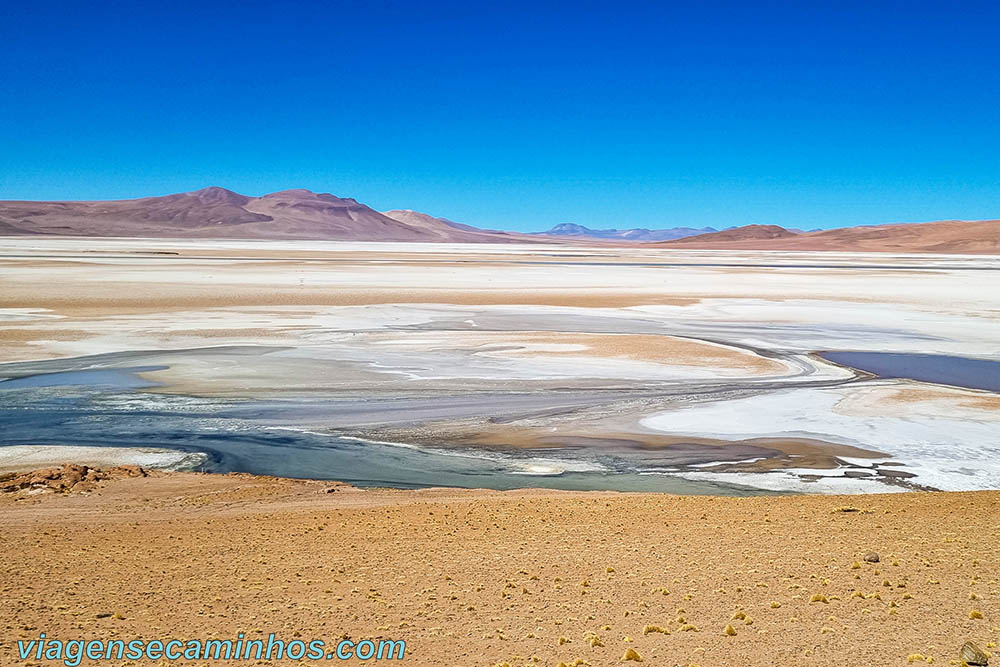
<point>936,368</point>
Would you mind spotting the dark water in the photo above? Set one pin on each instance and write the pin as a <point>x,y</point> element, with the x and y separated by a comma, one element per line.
<point>250,436</point>
<point>937,368</point>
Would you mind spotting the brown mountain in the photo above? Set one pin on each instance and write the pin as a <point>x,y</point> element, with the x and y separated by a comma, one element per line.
<point>219,213</point>
<point>948,236</point>
<point>739,234</point>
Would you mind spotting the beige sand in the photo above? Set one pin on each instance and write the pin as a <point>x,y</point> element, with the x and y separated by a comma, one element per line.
<point>521,578</point>
<point>666,349</point>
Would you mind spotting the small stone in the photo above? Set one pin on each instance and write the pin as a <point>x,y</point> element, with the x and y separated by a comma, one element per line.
<point>973,655</point>
<point>871,557</point>
<point>631,654</point>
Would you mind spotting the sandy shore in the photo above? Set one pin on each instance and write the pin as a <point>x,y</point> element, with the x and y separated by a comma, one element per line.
<point>518,578</point>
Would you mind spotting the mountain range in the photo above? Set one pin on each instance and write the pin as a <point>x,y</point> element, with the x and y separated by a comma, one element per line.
<point>639,234</point>
<point>946,236</point>
<point>219,213</point>
<point>215,212</point>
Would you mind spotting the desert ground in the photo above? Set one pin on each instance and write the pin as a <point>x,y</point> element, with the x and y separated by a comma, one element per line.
<point>520,578</point>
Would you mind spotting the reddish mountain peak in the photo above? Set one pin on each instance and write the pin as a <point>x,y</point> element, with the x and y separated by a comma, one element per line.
<point>744,233</point>
<point>755,232</point>
<point>213,194</point>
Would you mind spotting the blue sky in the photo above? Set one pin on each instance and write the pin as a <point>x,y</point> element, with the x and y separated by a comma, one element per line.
<point>515,116</point>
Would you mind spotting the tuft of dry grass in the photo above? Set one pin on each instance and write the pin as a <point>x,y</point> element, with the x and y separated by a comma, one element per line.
<point>631,655</point>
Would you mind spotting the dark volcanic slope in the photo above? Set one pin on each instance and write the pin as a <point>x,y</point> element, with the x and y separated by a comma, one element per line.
<point>219,213</point>
<point>949,236</point>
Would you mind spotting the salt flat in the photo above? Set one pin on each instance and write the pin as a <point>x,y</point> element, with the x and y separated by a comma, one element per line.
<point>623,360</point>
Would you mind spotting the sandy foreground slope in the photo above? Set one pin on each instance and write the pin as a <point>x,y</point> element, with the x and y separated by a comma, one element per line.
<point>519,578</point>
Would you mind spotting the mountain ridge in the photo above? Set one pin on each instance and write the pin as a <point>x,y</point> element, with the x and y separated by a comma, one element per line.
<point>216,212</point>
<point>637,234</point>
<point>942,236</point>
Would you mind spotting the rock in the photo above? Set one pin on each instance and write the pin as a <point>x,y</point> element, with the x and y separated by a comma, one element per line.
<point>871,557</point>
<point>973,655</point>
<point>127,471</point>
<point>66,478</point>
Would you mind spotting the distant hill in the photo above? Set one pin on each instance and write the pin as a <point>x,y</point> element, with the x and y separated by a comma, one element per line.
<point>569,229</point>
<point>947,236</point>
<point>738,234</point>
<point>215,212</point>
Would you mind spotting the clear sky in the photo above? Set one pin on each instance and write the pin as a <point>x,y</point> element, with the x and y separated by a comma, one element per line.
<point>515,116</point>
